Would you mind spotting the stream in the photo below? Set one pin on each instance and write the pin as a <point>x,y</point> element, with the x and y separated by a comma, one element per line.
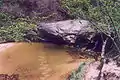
<point>36,61</point>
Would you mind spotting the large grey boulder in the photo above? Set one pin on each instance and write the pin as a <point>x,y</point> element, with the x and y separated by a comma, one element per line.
<point>76,33</point>
<point>68,29</point>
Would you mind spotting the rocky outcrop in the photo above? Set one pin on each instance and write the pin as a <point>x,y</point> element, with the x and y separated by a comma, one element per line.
<point>63,32</point>
<point>68,29</point>
<point>75,33</point>
<point>46,10</point>
<point>110,71</point>
<point>91,71</point>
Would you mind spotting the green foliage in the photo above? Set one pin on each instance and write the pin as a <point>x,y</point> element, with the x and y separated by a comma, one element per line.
<point>15,32</point>
<point>76,7</point>
<point>103,14</point>
<point>5,19</point>
<point>13,29</point>
<point>94,10</point>
<point>81,8</point>
<point>105,17</point>
<point>79,73</point>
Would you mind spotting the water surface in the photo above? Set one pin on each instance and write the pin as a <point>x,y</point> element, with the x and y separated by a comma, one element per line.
<point>35,61</point>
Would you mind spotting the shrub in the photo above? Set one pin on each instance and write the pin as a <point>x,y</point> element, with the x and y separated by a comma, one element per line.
<point>79,73</point>
<point>5,19</point>
<point>12,29</point>
<point>104,16</point>
<point>15,32</point>
<point>94,10</point>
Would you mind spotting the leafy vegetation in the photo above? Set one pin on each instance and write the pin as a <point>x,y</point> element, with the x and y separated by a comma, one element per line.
<point>94,10</point>
<point>12,29</point>
<point>79,73</point>
<point>104,15</point>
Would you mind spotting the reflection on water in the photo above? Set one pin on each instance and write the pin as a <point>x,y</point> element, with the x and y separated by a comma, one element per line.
<point>35,61</point>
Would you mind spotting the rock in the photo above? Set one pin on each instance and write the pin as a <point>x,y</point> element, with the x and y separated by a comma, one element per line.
<point>68,29</point>
<point>110,71</point>
<point>91,71</point>
<point>46,10</point>
<point>76,33</point>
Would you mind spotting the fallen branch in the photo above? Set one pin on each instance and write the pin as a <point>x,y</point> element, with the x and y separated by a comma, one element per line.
<point>102,59</point>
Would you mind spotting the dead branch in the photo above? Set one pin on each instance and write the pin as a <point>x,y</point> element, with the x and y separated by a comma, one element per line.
<point>102,59</point>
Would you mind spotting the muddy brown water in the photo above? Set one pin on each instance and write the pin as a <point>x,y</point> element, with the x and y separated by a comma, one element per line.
<point>36,61</point>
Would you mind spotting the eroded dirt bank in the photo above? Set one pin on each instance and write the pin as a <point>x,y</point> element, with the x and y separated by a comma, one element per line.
<point>36,61</point>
